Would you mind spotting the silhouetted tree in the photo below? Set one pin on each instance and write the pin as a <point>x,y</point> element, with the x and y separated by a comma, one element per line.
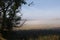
<point>9,10</point>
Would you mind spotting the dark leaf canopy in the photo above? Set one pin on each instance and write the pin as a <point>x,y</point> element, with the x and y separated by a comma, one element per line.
<point>9,9</point>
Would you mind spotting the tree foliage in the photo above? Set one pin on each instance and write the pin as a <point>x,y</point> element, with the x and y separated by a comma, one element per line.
<point>9,9</point>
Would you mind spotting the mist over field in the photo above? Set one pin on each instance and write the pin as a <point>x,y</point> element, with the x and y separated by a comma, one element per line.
<point>41,24</point>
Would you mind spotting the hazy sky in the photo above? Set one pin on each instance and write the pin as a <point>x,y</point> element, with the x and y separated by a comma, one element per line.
<point>42,9</point>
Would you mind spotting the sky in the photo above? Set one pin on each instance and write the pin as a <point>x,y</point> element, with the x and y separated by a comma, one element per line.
<point>41,9</point>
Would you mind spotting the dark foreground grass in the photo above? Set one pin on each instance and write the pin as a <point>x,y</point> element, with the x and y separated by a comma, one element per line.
<point>32,35</point>
<point>47,37</point>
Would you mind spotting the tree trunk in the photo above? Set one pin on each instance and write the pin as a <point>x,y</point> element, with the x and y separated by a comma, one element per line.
<point>4,20</point>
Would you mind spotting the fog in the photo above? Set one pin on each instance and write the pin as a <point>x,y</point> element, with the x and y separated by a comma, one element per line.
<point>40,24</point>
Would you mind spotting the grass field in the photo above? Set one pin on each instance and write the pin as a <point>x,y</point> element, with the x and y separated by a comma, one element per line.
<point>35,30</point>
<point>32,35</point>
<point>47,37</point>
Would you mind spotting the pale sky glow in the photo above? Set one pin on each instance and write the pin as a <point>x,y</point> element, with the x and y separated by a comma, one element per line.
<point>42,9</point>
